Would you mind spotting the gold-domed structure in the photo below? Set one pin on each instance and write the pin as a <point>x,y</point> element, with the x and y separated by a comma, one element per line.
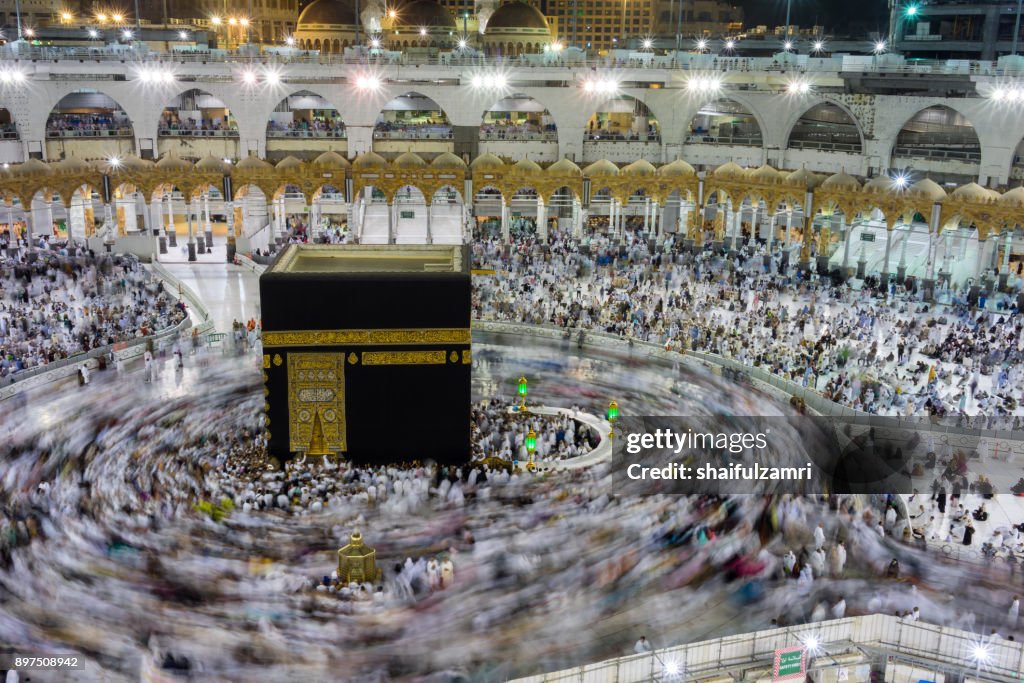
<point>357,562</point>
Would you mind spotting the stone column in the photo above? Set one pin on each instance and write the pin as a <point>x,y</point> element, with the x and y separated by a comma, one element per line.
<point>506,232</point>
<point>430,208</point>
<point>193,217</point>
<point>191,235</point>
<point>885,265</point>
<point>391,221</point>
<point>622,223</point>
<point>229,210</point>
<point>847,232</point>
<point>578,219</point>
<point>172,233</point>
<point>542,221</point>
<point>1004,268</point>
<point>48,215</point>
<point>901,269</point>
<point>209,221</point>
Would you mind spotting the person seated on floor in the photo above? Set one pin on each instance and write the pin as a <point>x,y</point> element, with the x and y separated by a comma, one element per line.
<point>1018,488</point>
<point>981,514</point>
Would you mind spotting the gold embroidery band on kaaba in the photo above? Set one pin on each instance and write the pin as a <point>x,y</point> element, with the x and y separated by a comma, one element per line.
<point>404,358</point>
<point>367,337</point>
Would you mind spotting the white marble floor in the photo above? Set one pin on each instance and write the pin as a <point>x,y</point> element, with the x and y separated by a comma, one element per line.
<point>229,292</point>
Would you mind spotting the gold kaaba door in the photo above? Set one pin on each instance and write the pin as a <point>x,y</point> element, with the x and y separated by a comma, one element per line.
<point>316,403</point>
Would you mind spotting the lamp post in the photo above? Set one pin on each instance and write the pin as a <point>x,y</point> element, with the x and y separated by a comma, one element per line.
<point>522,393</point>
<point>531,446</point>
<point>613,415</point>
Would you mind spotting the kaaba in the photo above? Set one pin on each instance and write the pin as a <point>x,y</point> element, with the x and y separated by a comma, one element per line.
<point>367,352</point>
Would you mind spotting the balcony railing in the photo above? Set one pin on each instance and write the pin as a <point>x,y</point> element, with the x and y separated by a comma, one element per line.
<point>938,154</point>
<point>412,134</point>
<point>684,62</point>
<point>332,134</point>
<point>118,132</point>
<point>826,144</point>
<point>197,133</point>
<point>753,141</point>
<point>498,136</point>
<point>619,137</point>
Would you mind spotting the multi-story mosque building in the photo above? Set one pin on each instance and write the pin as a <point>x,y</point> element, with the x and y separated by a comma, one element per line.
<point>402,90</point>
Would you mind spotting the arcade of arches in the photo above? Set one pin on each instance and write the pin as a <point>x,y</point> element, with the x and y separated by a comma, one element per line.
<point>373,200</point>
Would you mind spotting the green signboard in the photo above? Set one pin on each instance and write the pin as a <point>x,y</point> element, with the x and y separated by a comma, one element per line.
<point>789,663</point>
<point>867,236</point>
<point>407,214</point>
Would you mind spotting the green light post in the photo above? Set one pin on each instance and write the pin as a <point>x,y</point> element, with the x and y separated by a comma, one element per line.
<point>531,446</point>
<point>522,393</point>
<point>613,415</point>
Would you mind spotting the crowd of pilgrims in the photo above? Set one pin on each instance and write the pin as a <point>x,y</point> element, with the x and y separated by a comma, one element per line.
<point>174,511</point>
<point>893,355</point>
<point>497,431</point>
<point>53,307</point>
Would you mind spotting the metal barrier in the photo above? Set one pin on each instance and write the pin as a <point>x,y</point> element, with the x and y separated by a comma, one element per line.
<point>750,656</point>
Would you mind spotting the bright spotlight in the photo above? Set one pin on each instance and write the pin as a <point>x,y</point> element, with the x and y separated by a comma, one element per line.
<point>672,668</point>
<point>243,21</point>
<point>232,21</point>
<point>248,77</point>
<point>912,11</point>
<point>289,41</point>
<point>392,14</point>
<point>93,33</point>
<point>66,16</point>
<point>367,82</point>
<point>880,47</point>
<point>462,44</point>
<point>30,32</point>
<point>117,18</point>
<point>5,77</point>
<point>500,81</point>
<point>702,44</point>
<point>126,34</point>
<point>272,78</point>
<point>799,88</point>
<point>980,653</point>
<point>477,82</point>
<point>375,43</point>
<point>556,46</point>
<point>226,160</point>
<point>730,44</point>
<point>788,45</point>
<point>648,43</point>
<point>999,94</point>
<point>811,643</point>
<point>215,21</point>
<point>101,17</point>
<point>166,77</point>
<point>183,35</point>
<point>423,31</point>
<point>113,162</point>
<point>901,181</point>
<point>819,46</point>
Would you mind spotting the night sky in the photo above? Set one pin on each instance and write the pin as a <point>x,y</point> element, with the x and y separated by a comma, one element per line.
<point>837,16</point>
